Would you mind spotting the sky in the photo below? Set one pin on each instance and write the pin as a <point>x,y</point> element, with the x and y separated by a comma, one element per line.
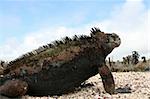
<point>28,24</point>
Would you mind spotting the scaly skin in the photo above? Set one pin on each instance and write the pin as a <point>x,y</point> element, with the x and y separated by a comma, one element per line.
<point>60,67</point>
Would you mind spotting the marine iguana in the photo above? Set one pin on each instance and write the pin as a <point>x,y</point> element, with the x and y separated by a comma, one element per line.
<point>61,66</point>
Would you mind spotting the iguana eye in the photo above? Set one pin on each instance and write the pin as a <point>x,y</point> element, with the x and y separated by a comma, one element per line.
<point>114,38</point>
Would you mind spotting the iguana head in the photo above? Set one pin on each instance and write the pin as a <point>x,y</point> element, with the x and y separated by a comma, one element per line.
<point>106,40</point>
<point>113,40</point>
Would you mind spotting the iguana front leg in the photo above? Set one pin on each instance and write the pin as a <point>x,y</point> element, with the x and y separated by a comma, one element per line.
<point>14,88</point>
<point>107,79</point>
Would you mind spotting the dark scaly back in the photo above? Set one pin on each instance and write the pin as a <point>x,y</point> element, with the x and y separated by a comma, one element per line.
<point>66,42</point>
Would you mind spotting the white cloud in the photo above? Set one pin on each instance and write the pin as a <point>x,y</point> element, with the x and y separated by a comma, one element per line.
<point>130,21</point>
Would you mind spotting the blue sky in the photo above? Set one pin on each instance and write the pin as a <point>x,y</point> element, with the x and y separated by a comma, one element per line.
<point>20,17</point>
<point>23,21</point>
